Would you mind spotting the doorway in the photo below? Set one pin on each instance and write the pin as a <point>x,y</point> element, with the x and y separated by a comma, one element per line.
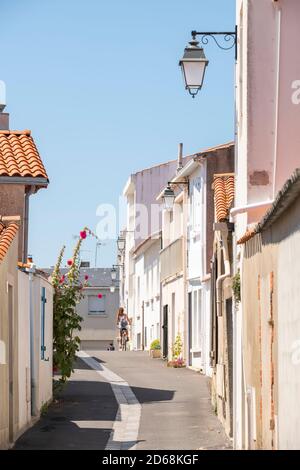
<point>190,329</point>
<point>165,332</point>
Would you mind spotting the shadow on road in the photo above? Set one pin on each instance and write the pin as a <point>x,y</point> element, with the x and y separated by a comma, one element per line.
<point>82,416</point>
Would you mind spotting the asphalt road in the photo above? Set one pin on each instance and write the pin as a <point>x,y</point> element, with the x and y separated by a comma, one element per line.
<point>175,410</point>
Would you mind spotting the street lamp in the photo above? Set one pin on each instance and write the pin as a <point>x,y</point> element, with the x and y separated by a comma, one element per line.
<point>113,273</point>
<point>112,289</point>
<point>194,63</point>
<point>168,198</point>
<point>121,244</point>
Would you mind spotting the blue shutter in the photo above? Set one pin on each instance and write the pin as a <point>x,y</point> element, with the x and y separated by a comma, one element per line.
<point>43,302</point>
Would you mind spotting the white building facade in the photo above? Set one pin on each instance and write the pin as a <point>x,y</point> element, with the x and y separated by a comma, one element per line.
<point>139,278</point>
<point>197,272</point>
<point>147,293</point>
<point>173,278</point>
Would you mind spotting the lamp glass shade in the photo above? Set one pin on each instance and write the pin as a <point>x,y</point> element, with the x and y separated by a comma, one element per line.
<point>169,198</point>
<point>121,244</point>
<point>113,273</point>
<point>193,66</point>
<point>193,73</point>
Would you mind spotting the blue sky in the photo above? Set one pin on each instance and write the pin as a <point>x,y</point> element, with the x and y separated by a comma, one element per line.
<point>98,83</point>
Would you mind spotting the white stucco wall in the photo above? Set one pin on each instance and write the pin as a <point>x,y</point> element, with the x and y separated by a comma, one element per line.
<point>43,367</point>
<point>24,351</point>
<point>147,295</point>
<point>198,287</point>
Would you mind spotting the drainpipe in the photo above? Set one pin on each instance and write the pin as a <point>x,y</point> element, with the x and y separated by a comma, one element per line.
<point>143,327</point>
<point>277,98</point>
<point>179,158</point>
<point>257,205</point>
<point>221,279</point>
<point>33,372</point>
<point>26,219</point>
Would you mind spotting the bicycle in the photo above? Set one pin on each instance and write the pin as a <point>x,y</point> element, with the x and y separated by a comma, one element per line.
<point>124,339</point>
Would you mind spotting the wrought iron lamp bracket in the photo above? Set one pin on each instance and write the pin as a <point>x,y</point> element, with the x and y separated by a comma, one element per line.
<point>229,39</point>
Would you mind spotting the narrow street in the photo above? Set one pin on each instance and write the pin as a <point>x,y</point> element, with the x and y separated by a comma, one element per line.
<point>117,400</point>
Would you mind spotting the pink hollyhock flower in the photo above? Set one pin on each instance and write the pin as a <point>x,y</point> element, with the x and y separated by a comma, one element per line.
<point>83,234</point>
<point>99,296</point>
<point>86,277</point>
<point>62,279</point>
<point>69,262</point>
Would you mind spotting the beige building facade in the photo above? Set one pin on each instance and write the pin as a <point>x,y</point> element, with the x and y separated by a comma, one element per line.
<point>270,304</point>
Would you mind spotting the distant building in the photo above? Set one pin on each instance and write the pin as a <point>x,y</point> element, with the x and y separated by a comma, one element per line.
<point>99,325</point>
<point>139,279</point>
<point>185,259</point>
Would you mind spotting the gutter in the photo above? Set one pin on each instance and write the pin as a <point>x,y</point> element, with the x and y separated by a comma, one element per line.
<point>26,221</point>
<point>257,205</point>
<point>25,180</point>
<point>277,98</point>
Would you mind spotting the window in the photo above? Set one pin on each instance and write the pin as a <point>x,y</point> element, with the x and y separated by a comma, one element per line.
<point>96,306</point>
<point>157,330</point>
<point>197,327</point>
<point>197,193</point>
<point>138,292</point>
<point>173,317</point>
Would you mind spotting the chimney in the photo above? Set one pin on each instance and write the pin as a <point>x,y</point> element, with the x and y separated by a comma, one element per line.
<point>179,164</point>
<point>4,117</point>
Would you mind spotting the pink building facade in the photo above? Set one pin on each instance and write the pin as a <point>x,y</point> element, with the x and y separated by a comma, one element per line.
<point>268,137</point>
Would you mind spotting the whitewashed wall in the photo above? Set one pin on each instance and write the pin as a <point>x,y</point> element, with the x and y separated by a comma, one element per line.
<point>198,287</point>
<point>24,351</point>
<point>147,296</point>
<point>44,367</point>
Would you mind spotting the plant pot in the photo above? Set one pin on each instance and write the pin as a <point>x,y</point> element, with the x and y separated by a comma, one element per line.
<point>155,353</point>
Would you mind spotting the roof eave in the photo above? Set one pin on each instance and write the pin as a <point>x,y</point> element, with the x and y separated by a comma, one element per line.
<point>129,187</point>
<point>187,170</point>
<point>25,180</point>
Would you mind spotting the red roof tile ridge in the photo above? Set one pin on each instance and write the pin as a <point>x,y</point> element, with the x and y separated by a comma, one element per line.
<point>8,230</point>
<point>8,132</point>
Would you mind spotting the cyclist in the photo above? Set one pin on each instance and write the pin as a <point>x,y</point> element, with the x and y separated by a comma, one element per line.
<point>122,322</point>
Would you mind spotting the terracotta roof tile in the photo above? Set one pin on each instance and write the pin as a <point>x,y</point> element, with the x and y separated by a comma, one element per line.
<point>19,155</point>
<point>248,235</point>
<point>7,234</point>
<point>223,186</point>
